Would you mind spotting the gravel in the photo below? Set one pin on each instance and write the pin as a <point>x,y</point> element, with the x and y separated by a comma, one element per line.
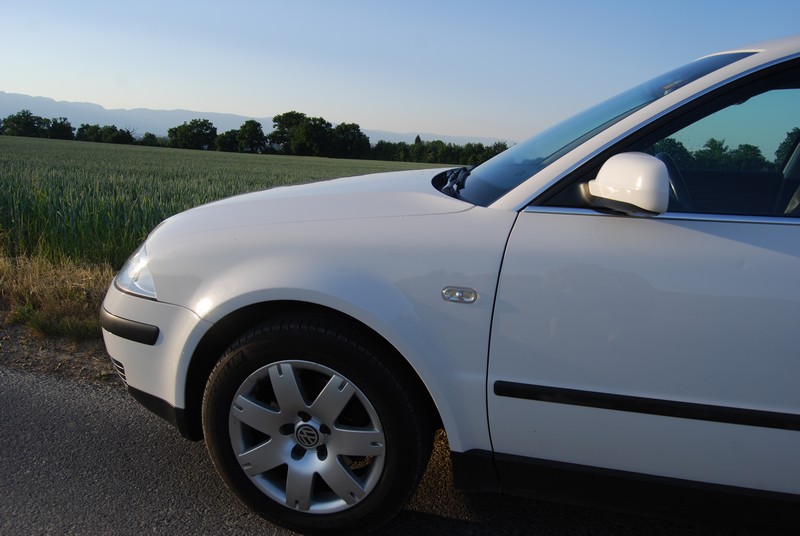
<point>21,348</point>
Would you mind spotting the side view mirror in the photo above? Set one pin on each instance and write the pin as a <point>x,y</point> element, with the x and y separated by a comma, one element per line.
<point>631,183</point>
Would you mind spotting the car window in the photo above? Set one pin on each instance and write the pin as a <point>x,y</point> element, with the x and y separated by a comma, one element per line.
<point>494,178</point>
<point>734,152</point>
<point>737,160</point>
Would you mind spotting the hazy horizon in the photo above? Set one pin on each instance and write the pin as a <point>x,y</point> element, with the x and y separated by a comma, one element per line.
<point>502,70</point>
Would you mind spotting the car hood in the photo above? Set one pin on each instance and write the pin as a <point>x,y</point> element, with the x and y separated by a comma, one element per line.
<point>380,195</point>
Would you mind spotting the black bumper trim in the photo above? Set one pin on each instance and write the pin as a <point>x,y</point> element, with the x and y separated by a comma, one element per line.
<point>129,329</point>
<point>175,416</point>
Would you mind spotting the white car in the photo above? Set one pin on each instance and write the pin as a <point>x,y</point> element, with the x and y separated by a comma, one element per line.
<point>615,298</point>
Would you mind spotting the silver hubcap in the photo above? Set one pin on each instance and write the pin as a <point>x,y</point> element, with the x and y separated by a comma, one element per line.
<point>307,437</point>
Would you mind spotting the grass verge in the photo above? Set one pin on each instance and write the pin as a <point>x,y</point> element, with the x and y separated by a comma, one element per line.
<point>56,298</point>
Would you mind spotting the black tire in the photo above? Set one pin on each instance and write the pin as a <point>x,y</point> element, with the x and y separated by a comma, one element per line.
<point>305,452</point>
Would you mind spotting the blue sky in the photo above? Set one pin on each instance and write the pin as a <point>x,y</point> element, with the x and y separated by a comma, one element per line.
<point>503,69</point>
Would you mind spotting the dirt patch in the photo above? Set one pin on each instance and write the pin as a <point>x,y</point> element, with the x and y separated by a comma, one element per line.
<point>22,348</point>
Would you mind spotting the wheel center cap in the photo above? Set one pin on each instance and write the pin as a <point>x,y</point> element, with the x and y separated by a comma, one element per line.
<point>307,436</point>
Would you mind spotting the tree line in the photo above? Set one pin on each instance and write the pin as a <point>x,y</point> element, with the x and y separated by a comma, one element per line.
<point>715,154</point>
<point>293,133</point>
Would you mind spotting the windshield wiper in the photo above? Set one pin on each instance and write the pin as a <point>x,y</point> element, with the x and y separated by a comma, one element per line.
<point>456,179</point>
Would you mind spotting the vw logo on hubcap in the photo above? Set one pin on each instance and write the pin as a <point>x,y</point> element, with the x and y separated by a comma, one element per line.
<point>307,436</point>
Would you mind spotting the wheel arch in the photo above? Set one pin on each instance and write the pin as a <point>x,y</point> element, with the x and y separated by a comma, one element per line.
<point>224,332</point>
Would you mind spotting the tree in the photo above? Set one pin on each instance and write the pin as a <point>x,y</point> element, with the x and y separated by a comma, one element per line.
<point>417,150</point>
<point>676,150</point>
<point>713,155</point>
<point>748,157</point>
<point>496,148</point>
<point>436,152</point>
<point>477,153</point>
<point>105,134</point>
<point>88,132</point>
<point>787,146</point>
<point>196,134</point>
<point>402,152</point>
<point>319,136</point>
<point>282,127</point>
<point>228,141</point>
<point>383,150</point>
<point>309,137</point>
<point>250,137</point>
<point>112,134</point>
<point>349,142</point>
<point>150,140</point>
<point>24,123</point>
<point>60,129</point>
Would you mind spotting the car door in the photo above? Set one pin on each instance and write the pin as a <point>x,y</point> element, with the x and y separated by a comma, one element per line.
<point>664,346</point>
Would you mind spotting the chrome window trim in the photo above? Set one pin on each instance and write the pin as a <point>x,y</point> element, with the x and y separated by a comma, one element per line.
<point>672,216</point>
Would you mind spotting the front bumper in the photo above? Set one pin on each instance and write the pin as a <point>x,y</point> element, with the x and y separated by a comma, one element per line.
<point>152,344</point>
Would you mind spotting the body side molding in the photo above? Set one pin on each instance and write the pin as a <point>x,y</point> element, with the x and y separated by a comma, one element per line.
<point>651,406</point>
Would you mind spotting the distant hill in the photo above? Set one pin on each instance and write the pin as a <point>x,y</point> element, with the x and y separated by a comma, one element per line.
<point>141,120</point>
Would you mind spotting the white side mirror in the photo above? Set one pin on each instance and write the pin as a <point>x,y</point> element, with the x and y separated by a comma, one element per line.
<point>632,183</point>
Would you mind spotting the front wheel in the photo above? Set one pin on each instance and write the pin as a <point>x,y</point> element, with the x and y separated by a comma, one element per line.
<point>312,429</point>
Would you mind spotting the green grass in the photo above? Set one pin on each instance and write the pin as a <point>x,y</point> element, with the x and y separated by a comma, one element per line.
<point>71,213</point>
<point>97,202</point>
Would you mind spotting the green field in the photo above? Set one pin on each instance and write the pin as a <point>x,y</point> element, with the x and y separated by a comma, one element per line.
<point>96,202</point>
<point>71,213</point>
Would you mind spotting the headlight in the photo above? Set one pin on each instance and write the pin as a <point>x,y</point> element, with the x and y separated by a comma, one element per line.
<point>135,277</point>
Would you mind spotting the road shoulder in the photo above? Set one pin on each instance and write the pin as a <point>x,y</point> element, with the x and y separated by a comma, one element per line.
<point>21,348</point>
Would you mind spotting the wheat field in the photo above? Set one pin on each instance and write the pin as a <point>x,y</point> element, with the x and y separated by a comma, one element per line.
<point>71,213</point>
<point>96,202</point>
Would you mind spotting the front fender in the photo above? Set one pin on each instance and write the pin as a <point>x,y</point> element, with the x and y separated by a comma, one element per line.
<point>387,274</point>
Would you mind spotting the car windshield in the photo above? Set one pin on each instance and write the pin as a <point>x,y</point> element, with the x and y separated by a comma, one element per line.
<point>497,176</point>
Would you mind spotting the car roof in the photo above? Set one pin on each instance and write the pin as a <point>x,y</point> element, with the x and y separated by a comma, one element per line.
<point>782,45</point>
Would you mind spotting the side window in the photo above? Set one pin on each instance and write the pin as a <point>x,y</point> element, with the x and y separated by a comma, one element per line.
<point>742,159</point>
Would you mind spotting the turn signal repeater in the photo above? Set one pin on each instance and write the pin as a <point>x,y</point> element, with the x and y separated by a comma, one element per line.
<point>460,295</point>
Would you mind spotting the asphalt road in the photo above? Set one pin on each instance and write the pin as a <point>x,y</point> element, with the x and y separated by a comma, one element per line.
<point>82,458</point>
